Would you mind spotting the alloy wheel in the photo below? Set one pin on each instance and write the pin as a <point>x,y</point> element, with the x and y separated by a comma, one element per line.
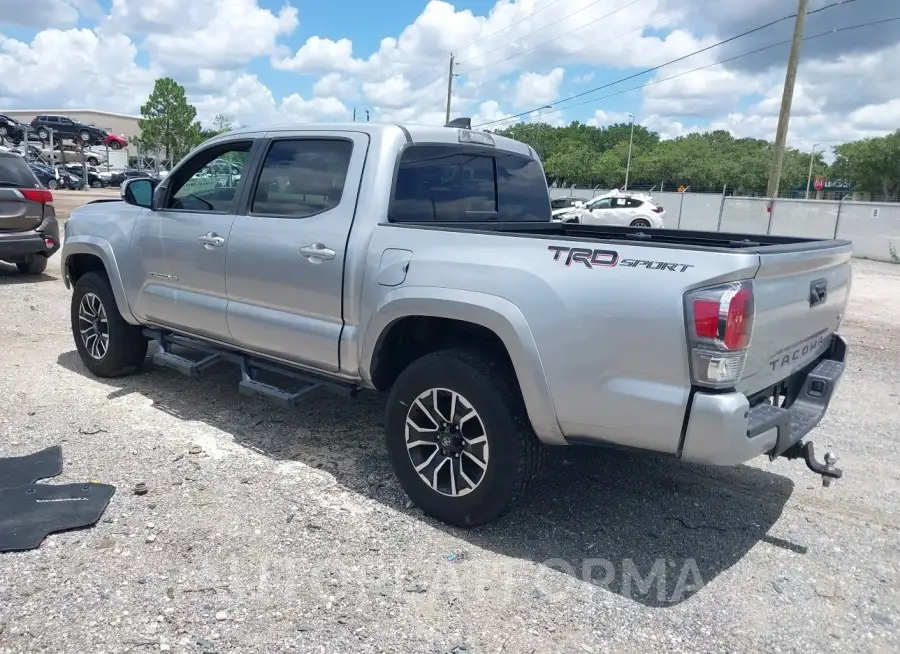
<point>447,442</point>
<point>93,325</point>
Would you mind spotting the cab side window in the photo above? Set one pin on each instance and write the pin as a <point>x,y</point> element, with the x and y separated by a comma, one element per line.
<point>200,186</point>
<point>302,177</point>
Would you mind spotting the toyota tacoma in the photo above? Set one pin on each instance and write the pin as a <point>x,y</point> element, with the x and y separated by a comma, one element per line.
<point>422,261</point>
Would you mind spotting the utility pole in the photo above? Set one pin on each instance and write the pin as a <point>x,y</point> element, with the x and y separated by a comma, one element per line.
<point>630,142</point>
<point>809,177</point>
<point>449,88</point>
<point>787,97</point>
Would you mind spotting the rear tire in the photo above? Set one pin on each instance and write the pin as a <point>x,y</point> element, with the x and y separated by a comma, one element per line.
<point>35,264</point>
<point>109,346</point>
<point>115,146</point>
<point>640,222</point>
<point>494,455</point>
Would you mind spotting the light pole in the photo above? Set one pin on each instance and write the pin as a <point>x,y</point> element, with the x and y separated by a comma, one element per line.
<point>809,177</point>
<point>630,143</point>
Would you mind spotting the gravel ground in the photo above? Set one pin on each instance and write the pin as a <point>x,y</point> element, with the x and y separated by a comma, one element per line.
<point>287,532</point>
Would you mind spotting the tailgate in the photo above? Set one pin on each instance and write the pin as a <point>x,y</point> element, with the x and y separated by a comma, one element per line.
<point>18,214</point>
<point>800,297</point>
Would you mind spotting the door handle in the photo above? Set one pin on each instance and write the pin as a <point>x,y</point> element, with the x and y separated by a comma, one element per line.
<point>211,240</point>
<point>317,253</point>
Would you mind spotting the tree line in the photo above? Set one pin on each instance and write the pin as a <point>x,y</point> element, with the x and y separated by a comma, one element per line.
<point>584,155</point>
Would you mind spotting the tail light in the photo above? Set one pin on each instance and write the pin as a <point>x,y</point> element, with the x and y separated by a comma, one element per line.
<point>658,209</point>
<point>719,326</point>
<point>41,195</point>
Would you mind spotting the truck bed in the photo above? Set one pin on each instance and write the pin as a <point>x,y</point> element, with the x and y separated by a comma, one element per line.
<point>665,238</point>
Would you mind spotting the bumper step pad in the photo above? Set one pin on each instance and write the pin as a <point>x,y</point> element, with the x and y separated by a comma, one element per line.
<point>30,512</point>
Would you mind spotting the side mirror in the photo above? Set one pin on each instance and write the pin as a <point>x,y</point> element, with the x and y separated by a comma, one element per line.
<point>138,192</point>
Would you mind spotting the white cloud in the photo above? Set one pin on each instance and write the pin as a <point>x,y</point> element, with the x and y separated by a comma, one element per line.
<point>509,60</point>
<point>213,34</point>
<point>602,118</point>
<point>39,13</point>
<point>249,102</point>
<point>388,92</point>
<point>335,84</point>
<point>41,73</point>
<point>884,116</point>
<point>536,89</point>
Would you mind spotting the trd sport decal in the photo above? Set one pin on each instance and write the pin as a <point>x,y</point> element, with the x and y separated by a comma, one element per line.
<point>588,257</point>
<point>609,258</point>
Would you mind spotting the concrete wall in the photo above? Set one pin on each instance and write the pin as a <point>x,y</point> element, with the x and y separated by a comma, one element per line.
<point>873,227</point>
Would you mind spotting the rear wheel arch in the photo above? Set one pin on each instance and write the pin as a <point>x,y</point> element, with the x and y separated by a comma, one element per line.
<point>405,329</point>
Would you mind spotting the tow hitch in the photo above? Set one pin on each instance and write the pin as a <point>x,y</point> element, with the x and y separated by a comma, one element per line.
<point>807,453</point>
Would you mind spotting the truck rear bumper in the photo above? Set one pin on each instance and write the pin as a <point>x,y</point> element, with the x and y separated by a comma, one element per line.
<point>723,429</point>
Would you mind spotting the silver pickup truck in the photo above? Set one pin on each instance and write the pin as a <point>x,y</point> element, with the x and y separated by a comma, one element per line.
<point>422,261</point>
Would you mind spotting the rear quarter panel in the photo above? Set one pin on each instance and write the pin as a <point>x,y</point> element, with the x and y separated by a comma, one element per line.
<point>608,339</point>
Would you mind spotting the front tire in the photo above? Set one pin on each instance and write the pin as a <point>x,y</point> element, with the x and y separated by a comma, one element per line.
<point>33,265</point>
<point>458,437</point>
<point>52,184</point>
<point>115,145</point>
<point>84,135</point>
<point>107,344</point>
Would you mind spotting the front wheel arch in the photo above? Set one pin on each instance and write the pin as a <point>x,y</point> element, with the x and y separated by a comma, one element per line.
<point>91,254</point>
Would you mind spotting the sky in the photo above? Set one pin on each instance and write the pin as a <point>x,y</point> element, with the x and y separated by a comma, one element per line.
<point>280,61</point>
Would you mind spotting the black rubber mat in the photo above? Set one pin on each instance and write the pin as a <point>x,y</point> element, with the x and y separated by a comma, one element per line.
<point>21,470</point>
<point>28,514</point>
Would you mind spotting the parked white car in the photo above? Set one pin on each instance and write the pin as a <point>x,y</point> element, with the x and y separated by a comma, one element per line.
<point>616,208</point>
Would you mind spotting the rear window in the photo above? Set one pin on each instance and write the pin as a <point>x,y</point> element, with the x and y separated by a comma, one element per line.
<point>14,172</point>
<point>522,189</point>
<point>448,183</point>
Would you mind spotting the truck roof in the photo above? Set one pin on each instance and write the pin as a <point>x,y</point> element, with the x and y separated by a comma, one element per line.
<point>418,133</point>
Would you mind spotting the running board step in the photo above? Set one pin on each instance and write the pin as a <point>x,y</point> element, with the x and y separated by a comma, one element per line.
<point>251,387</point>
<point>189,367</point>
<point>297,385</point>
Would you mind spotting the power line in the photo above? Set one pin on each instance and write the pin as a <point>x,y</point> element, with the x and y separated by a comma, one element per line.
<point>559,20</point>
<point>718,63</point>
<point>535,47</point>
<point>420,94</point>
<point>503,29</point>
<point>673,61</point>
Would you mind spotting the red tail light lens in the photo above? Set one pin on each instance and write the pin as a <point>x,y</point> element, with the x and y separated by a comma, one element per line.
<point>720,326</point>
<point>727,320</point>
<point>41,195</point>
<point>658,209</point>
